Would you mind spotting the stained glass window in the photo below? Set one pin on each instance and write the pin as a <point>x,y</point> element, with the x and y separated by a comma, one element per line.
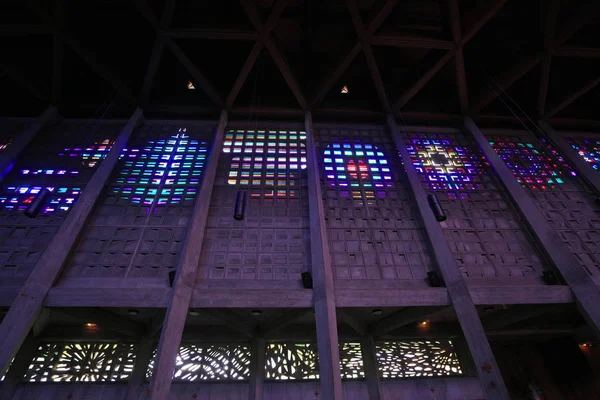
<point>165,171</point>
<point>588,149</point>
<point>417,358</point>
<point>72,162</point>
<point>445,165</point>
<point>82,362</point>
<point>268,158</point>
<point>536,167</point>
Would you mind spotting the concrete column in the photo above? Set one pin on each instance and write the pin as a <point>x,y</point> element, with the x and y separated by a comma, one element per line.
<point>370,363</point>
<point>24,310</point>
<point>183,286</point>
<point>487,368</point>
<point>18,368</point>
<point>142,360</point>
<point>323,291</point>
<point>257,369</point>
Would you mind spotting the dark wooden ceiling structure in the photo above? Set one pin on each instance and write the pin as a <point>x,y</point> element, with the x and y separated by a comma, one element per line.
<point>426,60</point>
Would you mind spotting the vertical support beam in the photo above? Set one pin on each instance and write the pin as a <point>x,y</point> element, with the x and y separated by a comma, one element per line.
<point>487,368</point>
<point>24,310</point>
<point>580,164</point>
<point>183,287</point>
<point>13,151</point>
<point>142,360</point>
<point>586,293</point>
<point>323,294</point>
<point>257,369</point>
<point>367,347</point>
<point>18,369</point>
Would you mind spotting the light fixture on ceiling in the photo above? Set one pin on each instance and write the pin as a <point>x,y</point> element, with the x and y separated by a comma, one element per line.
<point>423,323</point>
<point>256,313</point>
<point>193,313</point>
<point>377,311</point>
<point>132,311</point>
<point>191,86</point>
<point>345,90</point>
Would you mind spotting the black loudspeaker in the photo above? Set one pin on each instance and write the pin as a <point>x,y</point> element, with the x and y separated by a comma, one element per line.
<point>171,278</point>
<point>564,360</point>
<point>38,203</point>
<point>434,279</point>
<point>307,282</point>
<point>436,208</point>
<point>239,209</point>
<point>550,278</point>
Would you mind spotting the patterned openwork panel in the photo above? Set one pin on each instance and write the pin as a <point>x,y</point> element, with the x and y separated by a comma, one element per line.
<point>138,228</point>
<point>485,233</point>
<point>417,358</point>
<point>271,242</point>
<point>61,159</point>
<point>351,361</point>
<point>82,362</point>
<point>210,362</point>
<point>285,361</point>
<point>588,149</point>
<point>374,230</point>
<point>558,192</point>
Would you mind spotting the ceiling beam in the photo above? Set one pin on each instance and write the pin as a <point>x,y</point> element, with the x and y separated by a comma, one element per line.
<point>276,55</point>
<point>583,16</point>
<point>288,317</point>
<point>402,318</point>
<point>459,60</point>
<point>88,56</point>
<point>548,29</point>
<point>581,52</point>
<point>192,69</point>
<point>17,75</point>
<point>26,29</point>
<point>411,42</point>
<point>345,316</point>
<point>58,52</point>
<point>368,51</point>
<point>215,34</point>
<point>574,96</point>
<point>157,50</point>
<point>475,21</point>
<point>507,80</point>
<point>256,50</point>
<point>343,65</point>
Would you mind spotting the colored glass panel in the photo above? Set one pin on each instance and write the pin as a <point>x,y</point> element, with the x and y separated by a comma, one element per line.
<point>588,149</point>
<point>267,158</point>
<point>536,166</point>
<point>445,166</point>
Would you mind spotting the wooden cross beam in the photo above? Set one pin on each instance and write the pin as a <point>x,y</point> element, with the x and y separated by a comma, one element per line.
<point>343,65</point>
<point>583,16</point>
<point>193,70</point>
<point>459,59</point>
<point>157,51</point>
<point>574,96</point>
<point>475,22</point>
<point>548,28</point>
<point>255,52</point>
<point>276,55</point>
<point>88,56</point>
<point>25,83</point>
<point>368,51</point>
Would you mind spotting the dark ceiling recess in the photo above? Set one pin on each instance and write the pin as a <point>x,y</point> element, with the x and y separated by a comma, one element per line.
<point>429,60</point>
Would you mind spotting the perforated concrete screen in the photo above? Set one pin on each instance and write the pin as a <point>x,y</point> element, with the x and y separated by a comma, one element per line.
<point>485,233</point>
<point>62,159</point>
<point>271,242</point>
<point>374,230</point>
<point>558,193</point>
<point>138,228</point>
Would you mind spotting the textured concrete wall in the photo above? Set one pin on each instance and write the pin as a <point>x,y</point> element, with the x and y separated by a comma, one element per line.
<point>22,239</point>
<point>138,228</point>
<point>271,242</point>
<point>374,232</point>
<point>485,232</point>
<point>558,192</point>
